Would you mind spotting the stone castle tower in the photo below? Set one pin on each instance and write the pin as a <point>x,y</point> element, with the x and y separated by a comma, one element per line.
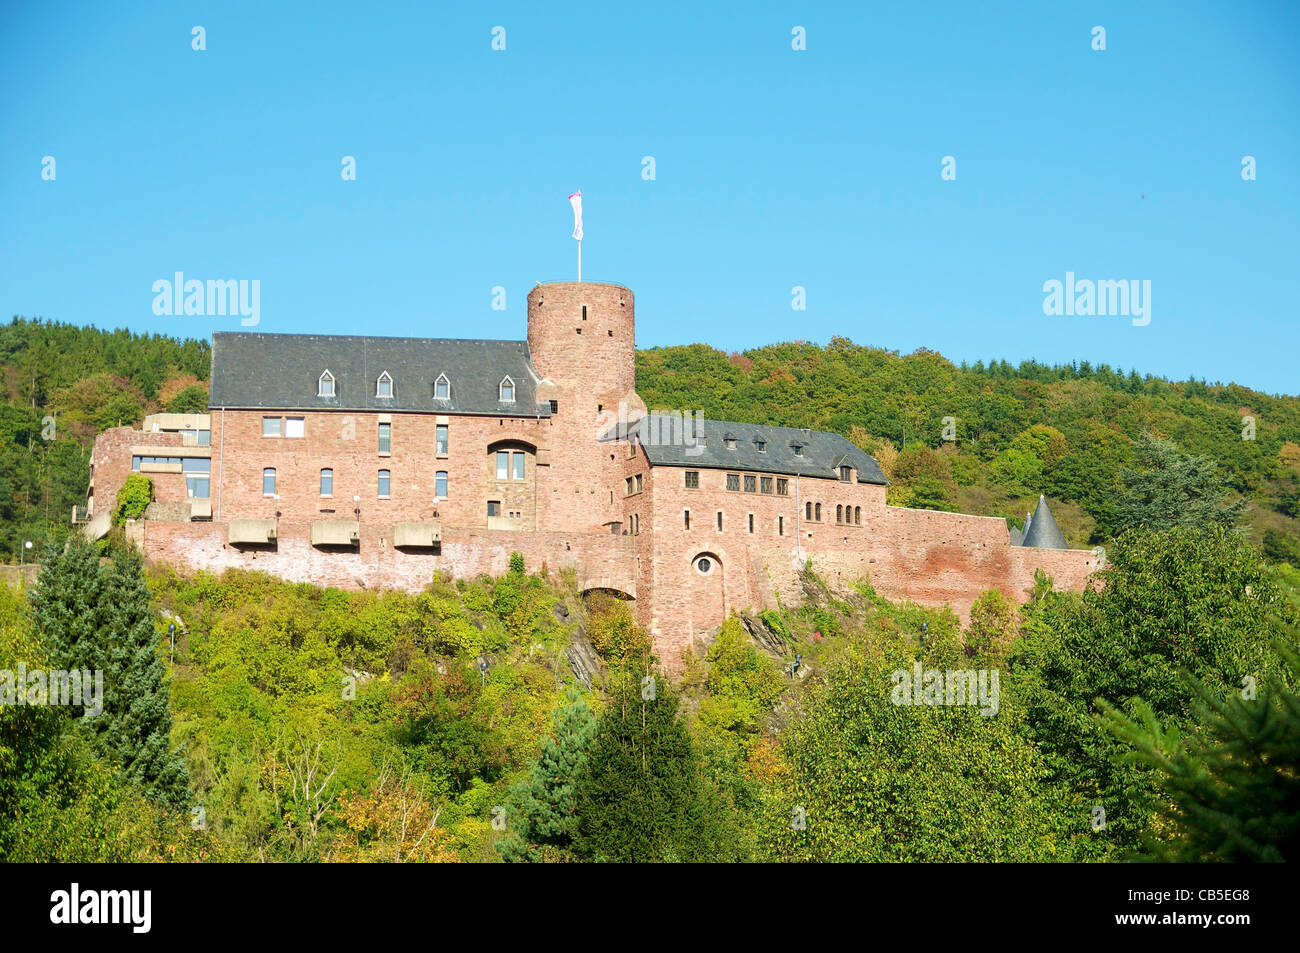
<point>582,340</point>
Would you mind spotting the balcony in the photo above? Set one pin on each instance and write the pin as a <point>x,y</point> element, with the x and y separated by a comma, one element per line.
<point>336,533</point>
<point>251,531</point>
<point>417,535</point>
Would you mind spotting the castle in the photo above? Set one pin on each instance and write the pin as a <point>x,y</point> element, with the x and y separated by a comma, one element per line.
<point>374,462</point>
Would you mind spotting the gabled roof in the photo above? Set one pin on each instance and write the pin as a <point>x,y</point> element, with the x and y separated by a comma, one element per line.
<point>1042,532</point>
<point>823,453</point>
<point>281,371</point>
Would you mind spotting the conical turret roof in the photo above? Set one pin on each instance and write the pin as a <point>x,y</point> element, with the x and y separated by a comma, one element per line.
<point>1042,532</point>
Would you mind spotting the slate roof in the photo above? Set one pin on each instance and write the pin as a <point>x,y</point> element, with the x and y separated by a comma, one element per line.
<point>823,453</point>
<point>281,371</point>
<point>1042,532</point>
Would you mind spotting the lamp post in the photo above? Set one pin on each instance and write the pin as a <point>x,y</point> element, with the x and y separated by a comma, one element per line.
<point>171,632</point>
<point>22,553</point>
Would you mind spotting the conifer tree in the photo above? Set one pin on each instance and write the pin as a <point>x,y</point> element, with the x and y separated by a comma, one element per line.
<point>543,817</point>
<point>67,606</point>
<point>1170,488</point>
<point>1233,791</point>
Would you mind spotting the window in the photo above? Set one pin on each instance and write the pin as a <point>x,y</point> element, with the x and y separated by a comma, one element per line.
<point>817,513</point>
<point>503,467</point>
<point>294,426</point>
<point>584,312</point>
<point>751,522</point>
<point>782,487</point>
<point>765,485</point>
<point>733,481</point>
<point>384,386</point>
<point>751,483</point>
<point>147,461</point>
<point>857,516</point>
<point>555,406</point>
<point>327,482</point>
<point>839,513</point>
<point>270,426</point>
<point>441,439</point>
<point>205,438</point>
<point>703,564</point>
<point>719,521</point>
<point>780,526</point>
<point>384,482</point>
<point>440,485</point>
<point>494,508</point>
<point>808,510</point>
<point>761,445</point>
<point>692,479</point>
<point>195,465</point>
<point>198,482</point>
<point>731,443</point>
<point>325,386</point>
<point>507,390</point>
<point>385,438</point>
<point>268,481</point>
<point>519,469</point>
<point>846,474</point>
<point>197,487</point>
<point>639,484</point>
<point>798,450</point>
<point>686,515</point>
<point>628,486</point>
<point>442,388</point>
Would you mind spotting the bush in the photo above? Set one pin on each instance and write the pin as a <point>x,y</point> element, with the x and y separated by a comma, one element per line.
<point>133,498</point>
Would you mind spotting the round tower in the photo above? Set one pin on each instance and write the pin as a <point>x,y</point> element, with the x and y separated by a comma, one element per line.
<point>582,340</point>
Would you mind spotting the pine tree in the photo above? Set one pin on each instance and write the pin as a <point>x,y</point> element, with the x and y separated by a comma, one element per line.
<point>544,817</point>
<point>1170,488</point>
<point>1233,792</point>
<point>67,606</point>
<point>137,700</point>
<point>642,796</point>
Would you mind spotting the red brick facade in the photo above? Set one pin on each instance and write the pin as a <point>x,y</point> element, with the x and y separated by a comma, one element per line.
<point>572,508</point>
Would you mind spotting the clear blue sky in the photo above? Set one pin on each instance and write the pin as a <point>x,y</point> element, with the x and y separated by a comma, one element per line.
<point>775,168</point>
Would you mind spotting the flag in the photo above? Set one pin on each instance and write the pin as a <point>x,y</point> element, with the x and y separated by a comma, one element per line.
<point>576,201</point>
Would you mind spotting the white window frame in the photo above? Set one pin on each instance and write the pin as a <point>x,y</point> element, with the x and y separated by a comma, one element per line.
<point>379,382</point>
<point>442,379</point>
<point>327,376</point>
<point>301,428</point>
<point>501,389</point>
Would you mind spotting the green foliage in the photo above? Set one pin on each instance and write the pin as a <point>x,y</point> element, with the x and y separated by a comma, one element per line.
<point>517,564</point>
<point>743,686</point>
<point>643,795</point>
<point>1170,488</point>
<point>1233,790</point>
<point>190,400</point>
<point>133,498</point>
<point>542,817</point>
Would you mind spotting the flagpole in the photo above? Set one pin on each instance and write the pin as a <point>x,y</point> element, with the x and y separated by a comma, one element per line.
<point>579,261</point>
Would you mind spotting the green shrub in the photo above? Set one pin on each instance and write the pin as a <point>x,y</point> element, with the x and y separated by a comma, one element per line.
<point>135,495</point>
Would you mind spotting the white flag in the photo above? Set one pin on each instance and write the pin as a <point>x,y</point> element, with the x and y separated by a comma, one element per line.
<point>576,201</point>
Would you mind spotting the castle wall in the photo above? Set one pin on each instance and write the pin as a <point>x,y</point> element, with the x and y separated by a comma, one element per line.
<point>599,561</point>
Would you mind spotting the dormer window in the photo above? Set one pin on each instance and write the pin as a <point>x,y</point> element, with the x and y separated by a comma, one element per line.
<point>384,386</point>
<point>325,386</point>
<point>761,446</point>
<point>731,443</point>
<point>442,388</point>
<point>798,449</point>
<point>507,390</point>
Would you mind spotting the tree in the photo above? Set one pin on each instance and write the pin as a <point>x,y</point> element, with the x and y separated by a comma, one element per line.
<point>1234,793</point>
<point>542,818</point>
<point>1169,488</point>
<point>642,796</point>
<point>137,701</point>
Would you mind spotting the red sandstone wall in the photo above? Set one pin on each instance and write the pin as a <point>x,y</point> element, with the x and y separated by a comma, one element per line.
<point>600,561</point>
<point>111,459</point>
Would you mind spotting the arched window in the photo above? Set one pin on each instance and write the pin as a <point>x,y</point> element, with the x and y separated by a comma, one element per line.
<point>325,386</point>
<point>327,482</point>
<point>385,482</point>
<point>817,511</point>
<point>857,516</point>
<point>839,513</point>
<point>507,390</point>
<point>268,481</point>
<point>442,388</point>
<point>384,386</point>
